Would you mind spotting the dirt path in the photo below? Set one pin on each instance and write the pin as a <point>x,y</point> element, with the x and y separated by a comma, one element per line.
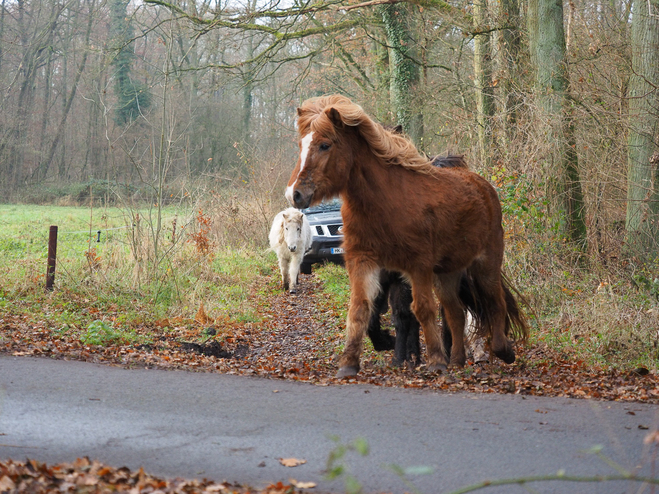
<point>300,337</point>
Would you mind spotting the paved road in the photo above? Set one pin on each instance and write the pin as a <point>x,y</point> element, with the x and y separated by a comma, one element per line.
<point>234,428</point>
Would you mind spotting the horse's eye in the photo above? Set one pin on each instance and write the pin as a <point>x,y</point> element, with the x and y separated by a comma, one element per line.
<point>324,146</point>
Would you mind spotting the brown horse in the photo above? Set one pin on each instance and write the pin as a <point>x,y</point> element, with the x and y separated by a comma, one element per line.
<point>403,214</point>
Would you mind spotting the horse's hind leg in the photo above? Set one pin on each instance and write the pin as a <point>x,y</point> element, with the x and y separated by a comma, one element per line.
<point>492,303</point>
<point>447,289</point>
<point>447,338</point>
<point>407,325</point>
<point>364,287</point>
<point>425,310</point>
<point>502,347</point>
<point>381,339</point>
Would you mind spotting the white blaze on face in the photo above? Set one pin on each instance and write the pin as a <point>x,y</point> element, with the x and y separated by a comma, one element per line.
<point>306,144</point>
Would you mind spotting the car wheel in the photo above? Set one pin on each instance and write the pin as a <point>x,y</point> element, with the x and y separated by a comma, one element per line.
<point>305,268</point>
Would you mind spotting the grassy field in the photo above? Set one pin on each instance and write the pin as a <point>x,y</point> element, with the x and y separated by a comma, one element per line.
<point>120,270</point>
<point>605,316</point>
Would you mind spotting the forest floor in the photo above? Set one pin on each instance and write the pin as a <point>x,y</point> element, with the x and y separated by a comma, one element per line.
<point>298,337</point>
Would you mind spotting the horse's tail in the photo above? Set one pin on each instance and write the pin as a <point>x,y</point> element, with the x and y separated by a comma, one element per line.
<point>516,324</point>
<point>475,299</point>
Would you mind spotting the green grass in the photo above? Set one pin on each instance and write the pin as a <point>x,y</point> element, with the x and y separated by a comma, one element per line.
<point>103,333</point>
<point>120,274</point>
<point>335,282</point>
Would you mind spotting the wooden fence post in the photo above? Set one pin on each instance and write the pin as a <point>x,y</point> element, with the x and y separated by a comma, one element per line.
<point>52,258</point>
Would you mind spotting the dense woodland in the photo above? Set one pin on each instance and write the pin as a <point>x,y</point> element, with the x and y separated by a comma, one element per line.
<point>557,103</point>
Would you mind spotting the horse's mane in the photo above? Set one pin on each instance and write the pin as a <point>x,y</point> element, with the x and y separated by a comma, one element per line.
<point>450,161</point>
<point>388,146</point>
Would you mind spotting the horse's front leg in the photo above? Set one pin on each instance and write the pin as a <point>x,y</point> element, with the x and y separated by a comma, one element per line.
<point>284,269</point>
<point>364,287</point>
<point>294,272</point>
<point>425,310</point>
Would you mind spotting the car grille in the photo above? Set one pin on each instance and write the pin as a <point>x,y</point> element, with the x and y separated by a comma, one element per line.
<point>329,230</point>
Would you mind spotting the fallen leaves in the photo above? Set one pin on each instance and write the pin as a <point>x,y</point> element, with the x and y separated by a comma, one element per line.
<point>291,462</point>
<point>6,484</point>
<point>85,475</point>
<point>299,337</point>
<point>302,485</point>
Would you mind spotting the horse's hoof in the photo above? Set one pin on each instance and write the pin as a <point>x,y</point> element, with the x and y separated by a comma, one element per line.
<point>293,291</point>
<point>458,363</point>
<point>348,371</point>
<point>437,368</point>
<point>507,355</point>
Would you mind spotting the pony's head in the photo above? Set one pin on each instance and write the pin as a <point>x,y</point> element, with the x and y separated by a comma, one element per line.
<point>291,228</point>
<point>334,133</point>
<point>322,166</point>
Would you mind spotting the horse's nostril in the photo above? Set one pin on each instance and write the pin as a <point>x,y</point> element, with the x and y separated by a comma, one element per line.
<point>293,248</point>
<point>297,197</point>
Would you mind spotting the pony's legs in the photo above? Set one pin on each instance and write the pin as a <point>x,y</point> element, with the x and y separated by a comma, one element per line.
<point>381,338</point>
<point>283,267</point>
<point>425,310</point>
<point>293,272</point>
<point>447,288</point>
<point>407,326</point>
<point>447,338</point>
<point>364,287</point>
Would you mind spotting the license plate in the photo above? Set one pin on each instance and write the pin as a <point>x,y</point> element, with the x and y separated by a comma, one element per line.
<point>336,250</point>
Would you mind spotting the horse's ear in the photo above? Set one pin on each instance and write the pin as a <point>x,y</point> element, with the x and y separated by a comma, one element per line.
<point>335,117</point>
<point>300,111</point>
<point>285,217</point>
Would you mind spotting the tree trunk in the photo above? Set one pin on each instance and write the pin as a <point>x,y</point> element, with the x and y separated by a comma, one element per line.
<point>2,30</point>
<point>404,70</point>
<point>382,79</point>
<point>555,106</point>
<point>483,82</point>
<point>248,88</point>
<point>642,220</point>
<point>69,99</point>
<point>508,73</point>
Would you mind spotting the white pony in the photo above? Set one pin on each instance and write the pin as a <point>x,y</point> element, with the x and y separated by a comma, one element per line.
<point>290,238</point>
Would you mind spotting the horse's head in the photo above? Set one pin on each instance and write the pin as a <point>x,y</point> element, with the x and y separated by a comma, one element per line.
<point>334,132</point>
<point>292,228</point>
<point>326,152</point>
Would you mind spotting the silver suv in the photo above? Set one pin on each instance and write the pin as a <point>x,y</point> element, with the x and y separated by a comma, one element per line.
<point>326,224</point>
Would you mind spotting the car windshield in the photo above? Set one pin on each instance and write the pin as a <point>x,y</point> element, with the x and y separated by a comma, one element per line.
<point>329,205</point>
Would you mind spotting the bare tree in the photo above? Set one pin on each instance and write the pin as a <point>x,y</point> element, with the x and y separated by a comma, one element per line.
<point>556,109</point>
<point>643,139</point>
<point>483,82</point>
